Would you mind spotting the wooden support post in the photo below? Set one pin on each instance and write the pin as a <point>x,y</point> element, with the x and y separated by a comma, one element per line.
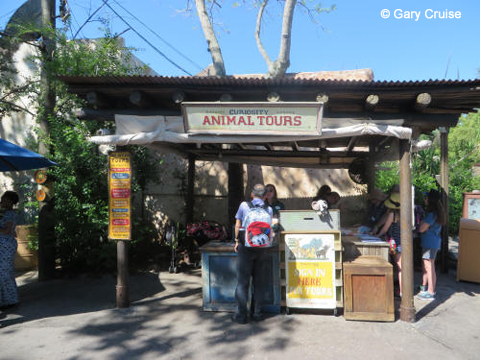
<point>371,169</point>
<point>235,190</point>
<point>444,184</point>
<point>123,300</point>
<point>407,308</point>
<point>190,188</point>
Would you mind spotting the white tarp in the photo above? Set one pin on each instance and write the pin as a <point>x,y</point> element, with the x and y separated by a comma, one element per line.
<point>144,130</point>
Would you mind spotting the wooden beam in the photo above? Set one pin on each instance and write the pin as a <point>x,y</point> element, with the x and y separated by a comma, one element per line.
<point>178,97</point>
<point>140,99</point>
<point>273,153</point>
<point>273,97</point>
<point>96,99</point>
<point>109,114</point>
<point>407,307</point>
<point>351,143</point>
<point>322,97</point>
<point>371,102</point>
<point>226,98</point>
<point>423,101</point>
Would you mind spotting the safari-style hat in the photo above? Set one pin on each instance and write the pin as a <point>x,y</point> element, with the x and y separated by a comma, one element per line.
<point>393,201</point>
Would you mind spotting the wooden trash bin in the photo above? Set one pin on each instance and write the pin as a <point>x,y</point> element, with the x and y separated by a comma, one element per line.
<point>468,266</point>
<point>368,289</point>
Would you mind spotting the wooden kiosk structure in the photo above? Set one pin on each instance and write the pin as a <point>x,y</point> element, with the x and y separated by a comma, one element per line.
<point>370,120</point>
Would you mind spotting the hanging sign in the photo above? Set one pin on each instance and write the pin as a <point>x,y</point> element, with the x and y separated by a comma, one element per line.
<point>263,118</point>
<point>310,272</point>
<point>119,186</point>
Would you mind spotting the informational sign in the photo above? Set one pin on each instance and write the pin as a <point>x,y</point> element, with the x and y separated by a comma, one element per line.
<point>310,272</point>
<point>262,118</point>
<point>119,185</point>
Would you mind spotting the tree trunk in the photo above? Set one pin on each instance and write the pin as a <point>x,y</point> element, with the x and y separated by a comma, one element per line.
<point>279,67</point>
<point>213,47</point>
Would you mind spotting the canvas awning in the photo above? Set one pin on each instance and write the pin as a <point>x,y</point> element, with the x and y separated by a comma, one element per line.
<point>144,130</point>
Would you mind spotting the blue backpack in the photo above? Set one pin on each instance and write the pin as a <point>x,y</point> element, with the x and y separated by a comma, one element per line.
<point>258,227</point>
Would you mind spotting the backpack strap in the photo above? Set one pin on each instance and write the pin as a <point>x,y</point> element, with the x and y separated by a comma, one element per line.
<point>250,204</point>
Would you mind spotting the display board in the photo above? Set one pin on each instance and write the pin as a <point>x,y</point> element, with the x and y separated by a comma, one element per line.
<point>471,206</point>
<point>119,184</point>
<point>310,270</point>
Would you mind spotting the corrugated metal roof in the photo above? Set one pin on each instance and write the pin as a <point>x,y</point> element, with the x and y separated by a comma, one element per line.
<point>240,81</point>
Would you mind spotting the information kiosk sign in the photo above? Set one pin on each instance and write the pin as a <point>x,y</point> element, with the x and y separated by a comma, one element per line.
<point>119,185</point>
<point>310,271</point>
<point>254,118</point>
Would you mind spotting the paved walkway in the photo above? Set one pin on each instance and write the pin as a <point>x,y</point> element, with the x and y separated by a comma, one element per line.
<point>77,319</point>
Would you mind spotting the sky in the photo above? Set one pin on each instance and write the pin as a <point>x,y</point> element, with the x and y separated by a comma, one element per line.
<point>410,41</point>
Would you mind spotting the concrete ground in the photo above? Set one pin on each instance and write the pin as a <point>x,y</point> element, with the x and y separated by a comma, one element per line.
<point>76,319</point>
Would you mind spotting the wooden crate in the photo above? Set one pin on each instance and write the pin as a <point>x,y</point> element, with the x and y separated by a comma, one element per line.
<point>368,289</point>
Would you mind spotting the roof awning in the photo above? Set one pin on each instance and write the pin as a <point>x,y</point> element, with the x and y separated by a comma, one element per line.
<point>145,130</point>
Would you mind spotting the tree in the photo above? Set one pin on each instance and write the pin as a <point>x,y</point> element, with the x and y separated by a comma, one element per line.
<point>81,189</point>
<point>276,68</point>
<point>464,153</point>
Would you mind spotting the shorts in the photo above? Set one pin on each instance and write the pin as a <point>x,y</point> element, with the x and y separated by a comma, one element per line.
<point>429,254</point>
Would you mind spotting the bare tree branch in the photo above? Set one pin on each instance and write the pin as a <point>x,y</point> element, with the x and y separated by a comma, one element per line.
<point>213,47</point>
<point>257,34</point>
<point>282,63</point>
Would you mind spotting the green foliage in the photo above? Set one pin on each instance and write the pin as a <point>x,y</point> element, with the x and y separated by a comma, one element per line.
<point>464,152</point>
<point>81,188</point>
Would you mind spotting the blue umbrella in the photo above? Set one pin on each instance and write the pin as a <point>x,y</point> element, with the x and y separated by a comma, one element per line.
<point>16,158</point>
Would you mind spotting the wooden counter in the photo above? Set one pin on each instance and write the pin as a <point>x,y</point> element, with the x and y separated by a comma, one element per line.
<point>219,278</point>
<point>368,289</point>
<point>354,247</point>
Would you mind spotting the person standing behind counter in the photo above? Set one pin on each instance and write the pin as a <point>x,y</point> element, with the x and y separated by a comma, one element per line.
<point>272,200</point>
<point>391,227</point>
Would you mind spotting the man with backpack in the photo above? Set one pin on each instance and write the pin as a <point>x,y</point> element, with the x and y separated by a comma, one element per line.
<point>254,218</point>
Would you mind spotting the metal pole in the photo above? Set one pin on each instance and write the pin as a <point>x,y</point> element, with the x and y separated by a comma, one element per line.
<point>407,308</point>
<point>123,300</point>
<point>444,183</point>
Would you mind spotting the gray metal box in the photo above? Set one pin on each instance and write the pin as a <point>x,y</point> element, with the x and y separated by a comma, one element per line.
<point>309,220</point>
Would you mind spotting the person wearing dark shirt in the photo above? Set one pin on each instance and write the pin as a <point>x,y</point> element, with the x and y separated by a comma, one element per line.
<point>272,200</point>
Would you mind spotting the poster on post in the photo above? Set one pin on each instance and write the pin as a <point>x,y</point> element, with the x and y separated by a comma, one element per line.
<point>119,186</point>
<point>310,271</point>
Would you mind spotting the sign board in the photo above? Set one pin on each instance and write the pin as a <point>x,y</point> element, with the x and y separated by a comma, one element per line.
<point>310,271</point>
<point>471,205</point>
<point>254,118</point>
<point>119,186</point>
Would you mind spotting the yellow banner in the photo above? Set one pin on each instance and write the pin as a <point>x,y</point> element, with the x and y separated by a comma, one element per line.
<point>310,280</point>
<point>119,183</point>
